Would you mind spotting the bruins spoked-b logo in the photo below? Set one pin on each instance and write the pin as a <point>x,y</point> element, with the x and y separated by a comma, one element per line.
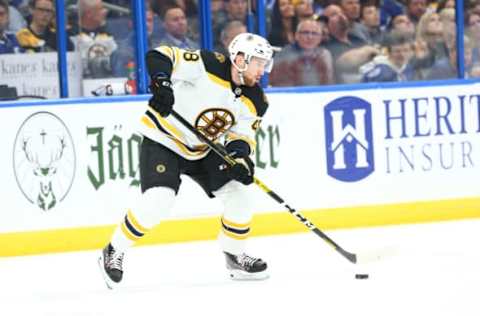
<point>214,122</point>
<point>44,160</point>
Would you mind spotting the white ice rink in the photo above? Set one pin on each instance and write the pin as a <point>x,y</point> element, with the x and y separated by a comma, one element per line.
<point>435,270</point>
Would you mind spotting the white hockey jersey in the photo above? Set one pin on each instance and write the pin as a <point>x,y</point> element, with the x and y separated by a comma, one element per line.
<point>206,97</point>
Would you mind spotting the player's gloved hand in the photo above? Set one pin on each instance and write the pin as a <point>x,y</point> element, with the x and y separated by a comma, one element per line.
<point>243,170</point>
<point>163,98</point>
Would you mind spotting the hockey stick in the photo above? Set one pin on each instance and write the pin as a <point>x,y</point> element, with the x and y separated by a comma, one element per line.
<point>219,150</point>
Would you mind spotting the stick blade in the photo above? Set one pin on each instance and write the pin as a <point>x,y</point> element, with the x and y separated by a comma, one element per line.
<point>376,255</point>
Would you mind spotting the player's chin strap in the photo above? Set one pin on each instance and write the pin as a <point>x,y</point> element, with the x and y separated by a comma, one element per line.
<point>240,76</point>
<point>240,71</point>
<point>220,150</point>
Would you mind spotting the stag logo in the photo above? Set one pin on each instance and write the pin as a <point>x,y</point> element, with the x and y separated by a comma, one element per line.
<point>44,160</point>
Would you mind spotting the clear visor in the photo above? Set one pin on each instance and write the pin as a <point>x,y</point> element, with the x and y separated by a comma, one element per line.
<point>266,64</point>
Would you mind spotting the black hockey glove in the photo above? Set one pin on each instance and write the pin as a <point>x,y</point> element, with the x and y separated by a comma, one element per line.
<point>243,170</point>
<point>163,98</point>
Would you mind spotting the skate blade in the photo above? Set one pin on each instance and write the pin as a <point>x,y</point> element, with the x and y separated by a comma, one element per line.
<point>110,284</point>
<point>239,275</point>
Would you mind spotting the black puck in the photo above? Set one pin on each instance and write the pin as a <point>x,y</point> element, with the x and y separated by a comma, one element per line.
<point>361,276</point>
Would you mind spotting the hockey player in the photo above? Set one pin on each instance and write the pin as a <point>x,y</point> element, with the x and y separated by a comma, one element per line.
<point>222,99</point>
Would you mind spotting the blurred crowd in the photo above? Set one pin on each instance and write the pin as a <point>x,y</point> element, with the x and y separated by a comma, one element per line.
<point>318,42</point>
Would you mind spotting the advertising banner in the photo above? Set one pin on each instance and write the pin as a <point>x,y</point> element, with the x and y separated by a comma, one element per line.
<point>376,147</point>
<point>37,74</point>
<point>76,165</point>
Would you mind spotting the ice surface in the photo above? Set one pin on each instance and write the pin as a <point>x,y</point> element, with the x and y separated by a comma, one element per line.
<point>430,269</point>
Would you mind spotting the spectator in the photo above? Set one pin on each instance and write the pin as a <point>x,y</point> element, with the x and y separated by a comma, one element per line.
<point>175,24</point>
<point>283,23</point>
<point>39,36</point>
<point>319,6</point>
<point>16,20</point>
<point>235,10</point>
<point>191,12</point>
<point>94,43</point>
<point>396,65</point>
<point>351,9</point>
<point>370,21</point>
<point>8,41</point>
<point>348,51</point>
<point>219,20</point>
<point>340,39</point>
<point>304,9</point>
<point>217,6</point>
<point>445,4</point>
<point>402,24</point>
<point>123,59</point>
<point>449,26</point>
<point>304,62</point>
<point>474,7</point>
<point>323,20</point>
<point>475,72</point>
<point>473,31</point>
<point>232,29</point>
<point>388,10</point>
<point>430,30</point>
<point>447,17</point>
<point>189,7</point>
<point>430,40</point>
<point>415,9</point>
<point>21,6</point>
<point>446,67</point>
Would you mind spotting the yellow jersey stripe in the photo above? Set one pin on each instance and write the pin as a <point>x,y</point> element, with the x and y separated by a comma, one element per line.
<point>146,121</point>
<point>249,104</point>
<point>168,127</point>
<point>226,84</point>
<point>165,124</point>
<point>176,58</point>
<point>167,51</point>
<point>187,151</point>
<point>218,80</point>
<point>173,133</point>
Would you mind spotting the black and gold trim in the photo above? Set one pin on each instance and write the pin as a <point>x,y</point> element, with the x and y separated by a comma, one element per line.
<point>255,99</point>
<point>216,65</point>
<point>172,53</point>
<point>234,230</point>
<point>218,70</point>
<point>153,120</point>
<point>131,228</point>
<point>231,137</point>
<point>156,122</point>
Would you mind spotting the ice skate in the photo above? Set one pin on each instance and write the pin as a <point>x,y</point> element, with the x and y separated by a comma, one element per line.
<point>245,267</point>
<point>111,266</point>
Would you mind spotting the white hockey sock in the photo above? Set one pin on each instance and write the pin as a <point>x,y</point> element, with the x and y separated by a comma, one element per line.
<point>236,217</point>
<point>127,232</point>
<point>231,242</point>
<point>154,205</point>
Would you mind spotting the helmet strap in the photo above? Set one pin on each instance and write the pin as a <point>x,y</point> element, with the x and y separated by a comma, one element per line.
<point>240,76</point>
<point>240,71</point>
